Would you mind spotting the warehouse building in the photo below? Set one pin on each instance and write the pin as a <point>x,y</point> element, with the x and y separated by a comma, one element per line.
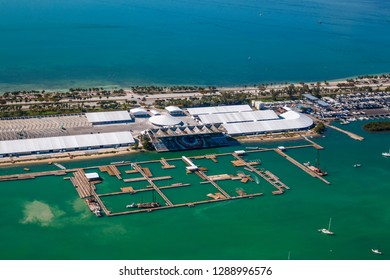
<point>103,118</point>
<point>289,121</point>
<point>174,111</point>
<point>65,143</point>
<point>139,112</point>
<point>195,112</point>
<point>238,117</point>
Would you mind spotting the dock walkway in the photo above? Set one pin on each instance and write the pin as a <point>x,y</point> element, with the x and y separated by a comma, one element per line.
<point>301,166</point>
<point>350,134</point>
<point>140,170</point>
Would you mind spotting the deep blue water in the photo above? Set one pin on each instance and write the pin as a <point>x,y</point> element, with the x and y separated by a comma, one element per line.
<point>59,44</point>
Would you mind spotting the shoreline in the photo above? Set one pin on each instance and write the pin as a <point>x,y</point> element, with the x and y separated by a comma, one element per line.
<point>52,158</point>
<point>5,87</point>
<point>58,158</point>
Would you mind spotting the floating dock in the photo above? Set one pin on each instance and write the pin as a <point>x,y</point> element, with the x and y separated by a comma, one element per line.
<point>86,188</point>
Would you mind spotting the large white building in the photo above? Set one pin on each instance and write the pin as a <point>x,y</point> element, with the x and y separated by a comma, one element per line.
<point>114,117</point>
<point>218,109</point>
<point>65,143</point>
<point>139,112</point>
<point>250,116</point>
<point>289,121</point>
<point>174,110</point>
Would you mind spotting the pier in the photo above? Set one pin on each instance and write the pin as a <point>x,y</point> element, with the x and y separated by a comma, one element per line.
<point>85,188</point>
<point>33,175</point>
<point>165,164</point>
<point>112,170</point>
<point>266,175</point>
<point>140,170</point>
<point>315,145</point>
<point>350,134</point>
<point>301,166</point>
<point>60,166</point>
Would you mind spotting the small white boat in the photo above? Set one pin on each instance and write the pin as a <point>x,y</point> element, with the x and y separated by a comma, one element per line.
<point>357,165</point>
<point>133,205</point>
<point>327,230</point>
<point>376,251</point>
<point>282,148</point>
<point>386,154</point>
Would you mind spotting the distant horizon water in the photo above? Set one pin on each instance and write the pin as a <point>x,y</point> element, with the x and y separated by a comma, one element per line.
<point>61,44</point>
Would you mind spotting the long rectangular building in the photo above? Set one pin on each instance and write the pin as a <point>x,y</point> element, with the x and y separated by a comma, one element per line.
<point>218,109</point>
<point>238,117</point>
<point>65,143</point>
<point>290,121</point>
<point>108,117</point>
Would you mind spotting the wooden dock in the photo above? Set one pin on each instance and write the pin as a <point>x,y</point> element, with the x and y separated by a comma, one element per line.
<point>140,170</point>
<point>315,145</point>
<point>301,166</point>
<point>266,175</point>
<point>134,191</point>
<point>188,204</point>
<point>112,170</point>
<point>212,157</point>
<point>146,178</point>
<point>165,164</point>
<point>83,187</point>
<point>205,177</point>
<point>33,175</point>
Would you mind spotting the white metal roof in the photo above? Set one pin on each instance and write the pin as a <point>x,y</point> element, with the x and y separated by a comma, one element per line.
<point>165,120</point>
<point>218,109</point>
<point>291,121</point>
<point>108,116</point>
<point>92,175</point>
<point>65,142</point>
<point>139,111</point>
<point>238,117</point>
<point>155,112</point>
<point>172,109</point>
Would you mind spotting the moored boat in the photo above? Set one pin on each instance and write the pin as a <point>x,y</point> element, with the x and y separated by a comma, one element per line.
<point>376,251</point>
<point>94,206</point>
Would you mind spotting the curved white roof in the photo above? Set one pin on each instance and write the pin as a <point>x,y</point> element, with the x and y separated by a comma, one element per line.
<point>139,111</point>
<point>291,121</point>
<point>165,120</point>
<point>171,109</point>
<point>238,117</point>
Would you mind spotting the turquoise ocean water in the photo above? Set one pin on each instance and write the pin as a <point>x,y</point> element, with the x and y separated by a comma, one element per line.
<point>62,44</point>
<point>44,218</point>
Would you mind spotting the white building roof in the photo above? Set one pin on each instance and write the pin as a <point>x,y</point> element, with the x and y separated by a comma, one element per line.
<point>139,111</point>
<point>238,117</point>
<point>291,121</point>
<point>108,116</point>
<point>92,175</point>
<point>172,109</point>
<point>218,109</point>
<point>65,142</point>
<point>165,120</point>
<point>155,112</point>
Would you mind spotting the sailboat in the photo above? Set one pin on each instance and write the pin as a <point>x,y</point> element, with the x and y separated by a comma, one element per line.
<point>327,231</point>
<point>386,154</point>
<point>376,251</point>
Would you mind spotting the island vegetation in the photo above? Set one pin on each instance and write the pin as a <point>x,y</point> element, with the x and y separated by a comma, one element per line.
<point>377,126</point>
<point>320,128</point>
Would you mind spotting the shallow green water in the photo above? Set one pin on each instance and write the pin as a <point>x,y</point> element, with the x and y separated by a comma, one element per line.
<point>44,218</point>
